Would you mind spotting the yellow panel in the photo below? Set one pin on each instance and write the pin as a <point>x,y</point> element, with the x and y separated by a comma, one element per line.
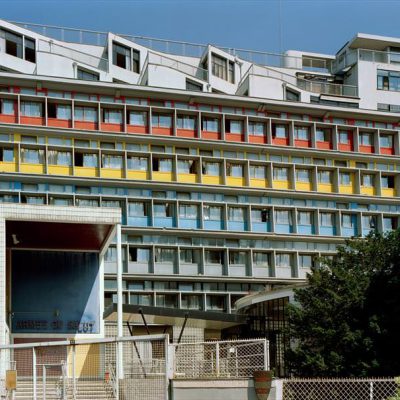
<point>8,166</point>
<point>388,192</point>
<point>187,178</point>
<point>87,361</point>
<point>139,175</point>
<point>162,176</point>
<point>111,173</point>
<point>307,186</point>
<point>31,168</point>
<point>281,185</point>
<point>17,137</point>
<point>325,187</point>
<point>346,189</point>
<point>352,163</point>
<point>234,181</point>
<point>59,170</point>
<point>211,180</point>
<point>258,182</point>
<point>369,191</point>
<point>86,171</point>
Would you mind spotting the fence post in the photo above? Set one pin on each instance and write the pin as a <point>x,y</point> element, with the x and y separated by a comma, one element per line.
<point>74,370</point>
<point>166,371</point>
<point>34,378</point>
<point>217,358</point>
<point>371,390</point>
<point>44,381</point>
<point>266,355</point>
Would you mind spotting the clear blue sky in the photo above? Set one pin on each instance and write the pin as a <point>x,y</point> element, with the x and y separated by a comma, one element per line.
<point>309,25</point>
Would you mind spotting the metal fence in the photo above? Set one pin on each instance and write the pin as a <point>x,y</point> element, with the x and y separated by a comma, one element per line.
<point>221,359</point>
<point>132,368</point>
<point>341,389</point>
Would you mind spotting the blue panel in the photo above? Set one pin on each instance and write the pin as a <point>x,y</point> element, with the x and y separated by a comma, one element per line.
<point>55,292</point>
<point>164,222</point>
<point>139,221</point>
<point>305,229</point>
<point>349,231</point>
<point>261,227</point>
<point>189,223</point>
<point>327,230</point>
<point>213,225</point>
<point>237,226</point>
<point>279,228</point>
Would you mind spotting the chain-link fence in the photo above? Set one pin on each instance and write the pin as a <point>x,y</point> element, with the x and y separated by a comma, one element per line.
<point>341,389</point>
<point>132,368</point>
<point>220,359</point>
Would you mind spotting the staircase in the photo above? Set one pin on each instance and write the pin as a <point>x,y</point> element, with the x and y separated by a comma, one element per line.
<point>90,389</point>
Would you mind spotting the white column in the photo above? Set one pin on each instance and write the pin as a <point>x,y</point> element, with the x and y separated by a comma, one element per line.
<point>120,361</point>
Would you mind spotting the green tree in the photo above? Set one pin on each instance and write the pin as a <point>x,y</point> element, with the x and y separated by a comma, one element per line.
<point>346,321</point>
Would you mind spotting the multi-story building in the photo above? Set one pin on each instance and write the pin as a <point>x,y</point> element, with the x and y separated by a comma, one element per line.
<point>235,170</point>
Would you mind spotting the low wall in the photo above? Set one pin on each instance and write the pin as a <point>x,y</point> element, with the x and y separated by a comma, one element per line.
<point>219,389</point>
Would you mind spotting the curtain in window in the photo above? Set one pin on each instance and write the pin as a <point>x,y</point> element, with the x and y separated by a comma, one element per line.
<point>325,176</point>
<point>347,221</point>
<point>188,211</point>
<point>283,260</point>
<point>186,122</point>
<point>165,164</point>
<point>304,218</point>
<point>261,259</point>
<point>111,161</point>
<point>302,133</point>
<point>303,175</point>
<point>211,124</point>
<point>63,111</point>
<point>256,128</point>
<point>283,217</point>
<point>160,210</point>
<point>161,121</point>
<point>60,157</point>
<point>280,131</point>
<point>137,163</point>
<point>236,214</point>
<point>235,126</point>
<point>164,255</point>
<point>184,166</point>
<point>257,171</point>
<point>235,170</point>
<point>31,109</point>
<point>327,219</point>
<point>136,209</point>
<point>345,178</point>
<point>281,174</point>
<point>90,160</point>
<point>113,116</point>
<point>237,257</point>
<point>210,168</point>
<point>137,118</point>
<point>7,107</point>
<point>212,213</point>
<point>87,202</point>
<point>367,180</point>
<point>32,156</point>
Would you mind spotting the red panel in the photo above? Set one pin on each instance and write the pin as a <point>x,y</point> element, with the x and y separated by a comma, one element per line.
<point>59,123</point>
<point>324,145</point>
<point>387,150</point>
<point>111,127</point>
<point>302,143</point>
<point>32,120</point>
<point>366,149</point>
<point>281,141</point>
<point>11,119</point>
<point>210,135</point>
<point>234,137</point>
<point>162,131</point>
<point>257,139</point>
<point>92,126</point>
<point>137,129</point>
<point>345,147</point>
<point>188,133</point>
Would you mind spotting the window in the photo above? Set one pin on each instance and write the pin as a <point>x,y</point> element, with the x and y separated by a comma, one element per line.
<point>161,121</point>
<point>387,182</point>
<point>345,178</point>
<point>164,255</point>
<point>344,137</point>
<point>189,256</point>
<point>327,219</point>
<point>303,175</point>
<point>257,172</point>
<point>291,95</point>
<point>304,217</point>
<point>389,223</point>
<point>211,168</point>
<point>86,160</point>
<point>231,72</point>
<point>222,68</point>
<point>187,167</point>
<point>138,118</point>
<point>386,141</point>
<point>86,75</point>
<point>279,131</point>
<point>162,164</point>
<point>369,221</point>
<point>193,86</point>
<point>305,261</point>
<point>111,161</point>
<point>31,109</point>
<point>235,170</point>
<point>112,116</point>
<point>281,174</point>
<point>125,57</point>
<point>164,210</point>
<point>60,157</point>
<point>191,302</point>
<point>283,217</point>
<point>32,156</point>
<point>233,126</point>
<point>256,128</point>
<point>7,107</point>
<point>137,209</point>
<point>325,177</point>
<point>259,215</point>
<point>236,214</point>
<point>137,163</point>
<point>366,139</point>
<point>348,221</point>
<point>261,259</point>
<point>86,114</point>
<point>214,256</point>
<point>237,257</point>
<point>6,154</point>
<point>388,80</point>
<point>367,180</point>
<point>59,111</point>
<point>13,44</point>
<point>139,255</point>
<point>210,124</point>
<point>283,260</point>
<point>188,211</point>
<point>322,135</point>
<point>186,122</point>
<point>301,133</point>
<point>212,213</point>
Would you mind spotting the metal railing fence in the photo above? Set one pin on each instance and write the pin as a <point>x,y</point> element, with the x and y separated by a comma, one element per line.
<point>220,359</point>
<point>341,388</point>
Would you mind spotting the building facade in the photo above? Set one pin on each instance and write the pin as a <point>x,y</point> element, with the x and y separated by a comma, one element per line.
<point>234,170</point>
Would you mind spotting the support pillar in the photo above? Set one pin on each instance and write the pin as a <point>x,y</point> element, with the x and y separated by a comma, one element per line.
<point>120,332</point>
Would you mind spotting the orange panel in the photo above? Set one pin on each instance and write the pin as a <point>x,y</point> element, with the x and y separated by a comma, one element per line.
<point>11,119</point>
<point>366,149</point>
<point>32,120</point>
<point>345,147</point>
<point>162,131</point>
<point>387,150</point>
<point>59,123</point>
<point>302,143</point>
<point>324,145</point>
<point>234,137</point>
<point>92,126</point>
<point>281,141</point>
<point>137,129</point>
<point>210,135</point>
<point>188,133</point>
<point>257,139</point>
<point>111,127</point>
